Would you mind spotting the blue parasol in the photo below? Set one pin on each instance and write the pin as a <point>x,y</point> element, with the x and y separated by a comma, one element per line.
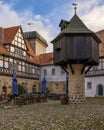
<point>14,85</point>
<point>44,85</point>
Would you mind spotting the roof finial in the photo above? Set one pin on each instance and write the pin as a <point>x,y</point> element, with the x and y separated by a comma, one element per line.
<point>75,6</point>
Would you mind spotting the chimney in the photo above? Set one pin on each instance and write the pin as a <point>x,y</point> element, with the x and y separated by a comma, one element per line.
<point>3,36</point>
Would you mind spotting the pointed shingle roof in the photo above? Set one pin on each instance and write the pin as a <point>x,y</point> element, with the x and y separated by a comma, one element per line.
<point>76,26</point>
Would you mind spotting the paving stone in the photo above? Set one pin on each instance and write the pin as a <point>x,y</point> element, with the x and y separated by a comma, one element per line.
<point>54,116</point>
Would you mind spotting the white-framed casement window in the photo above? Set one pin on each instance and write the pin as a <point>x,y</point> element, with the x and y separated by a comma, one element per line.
<point>89,85</point>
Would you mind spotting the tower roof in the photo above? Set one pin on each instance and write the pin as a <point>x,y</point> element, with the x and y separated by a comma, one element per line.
<point>76,27</point>
<point>34,34</point>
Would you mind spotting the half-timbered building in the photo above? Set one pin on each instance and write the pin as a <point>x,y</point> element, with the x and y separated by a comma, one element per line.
<point>94,80</point>
<point>17,55</point>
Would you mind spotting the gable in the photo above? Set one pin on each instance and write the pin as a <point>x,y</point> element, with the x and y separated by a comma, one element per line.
<point>18,40</point>
<point>9,34</point>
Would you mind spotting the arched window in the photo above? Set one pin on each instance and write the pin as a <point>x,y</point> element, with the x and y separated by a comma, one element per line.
<point>4,91</point>
<point>34,88</point>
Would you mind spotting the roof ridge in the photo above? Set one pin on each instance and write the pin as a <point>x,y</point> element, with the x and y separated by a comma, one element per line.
<point>12,27</point>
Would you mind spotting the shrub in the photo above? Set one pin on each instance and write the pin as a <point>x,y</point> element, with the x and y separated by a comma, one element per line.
<point>21,89</point>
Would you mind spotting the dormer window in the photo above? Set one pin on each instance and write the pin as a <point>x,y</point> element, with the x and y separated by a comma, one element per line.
<point>63,27</point>
<point>63,24</point>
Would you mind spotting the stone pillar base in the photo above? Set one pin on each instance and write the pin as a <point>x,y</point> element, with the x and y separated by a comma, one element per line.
<point>76,84</point>
<point>76,97</point>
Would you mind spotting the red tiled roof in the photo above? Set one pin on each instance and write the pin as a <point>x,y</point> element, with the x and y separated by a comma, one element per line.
<point>32,53</point>
<point>3,50</point>
<point>9,33</point>
<point>100,34</point>
<point>46,59</point>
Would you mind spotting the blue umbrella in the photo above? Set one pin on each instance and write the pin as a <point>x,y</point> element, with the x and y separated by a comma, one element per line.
<point>14,85</point>
<point>44,85</point>
<point>67,85</point>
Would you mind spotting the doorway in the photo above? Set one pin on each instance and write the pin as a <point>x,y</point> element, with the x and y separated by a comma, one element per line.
<point>100,90</point>
<point>4,91</point>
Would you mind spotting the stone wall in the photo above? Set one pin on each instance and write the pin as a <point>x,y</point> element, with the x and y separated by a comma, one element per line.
<point>7,81</point>
<point>76,83</point>
<point>56,87</point>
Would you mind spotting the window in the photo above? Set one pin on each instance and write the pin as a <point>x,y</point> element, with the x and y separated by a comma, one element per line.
<point>1,63</point>
<point>23,68</point>
<point>53,71</point>
<point>12,49</point>
<point>6,65</point>
<point>89,85</point>
<point>19,67</point>
<point>11,60</point>
<point>56,86</point>
<point>45,72</point>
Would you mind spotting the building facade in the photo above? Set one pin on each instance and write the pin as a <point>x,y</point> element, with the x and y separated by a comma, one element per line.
<point>55,75</point>
<point>94,80</point>
<point>17,55</point>
<point>56,79</point>
<point>25,54</point>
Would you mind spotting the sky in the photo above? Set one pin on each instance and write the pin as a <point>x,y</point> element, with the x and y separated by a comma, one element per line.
<point>44,16</point>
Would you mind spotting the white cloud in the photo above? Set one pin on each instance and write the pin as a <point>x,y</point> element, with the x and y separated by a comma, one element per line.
<point>91,12</point>
<point>9,17</point>
<point>95,20</point>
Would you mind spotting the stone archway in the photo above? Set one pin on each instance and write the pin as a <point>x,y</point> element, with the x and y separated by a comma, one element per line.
<point>100,90</point>
<point>34,88</point>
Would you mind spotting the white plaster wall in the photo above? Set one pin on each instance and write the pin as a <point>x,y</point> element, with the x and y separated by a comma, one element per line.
<point>59,76</point>
<point>95,82</point>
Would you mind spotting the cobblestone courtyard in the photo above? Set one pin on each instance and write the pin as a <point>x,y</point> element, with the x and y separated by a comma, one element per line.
<point>54,116</point>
